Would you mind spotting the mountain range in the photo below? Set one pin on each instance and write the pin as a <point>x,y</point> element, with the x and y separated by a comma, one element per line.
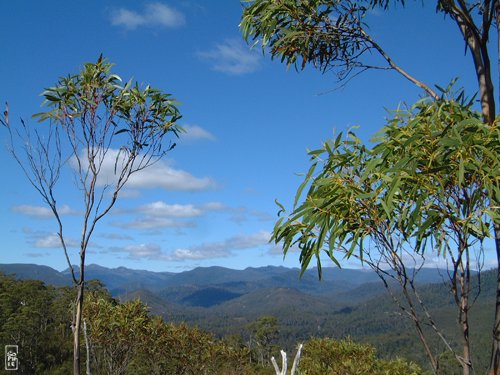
<point>210,286</point>
<point>346,302</point>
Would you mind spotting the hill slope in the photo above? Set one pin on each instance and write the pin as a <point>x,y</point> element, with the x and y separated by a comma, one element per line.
<point>346,303</point>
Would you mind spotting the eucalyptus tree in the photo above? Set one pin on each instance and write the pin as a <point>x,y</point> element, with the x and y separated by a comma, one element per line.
<point>265,331</point>
<point>334,36</point>
<point>102,132</point>
<point>430,183</point>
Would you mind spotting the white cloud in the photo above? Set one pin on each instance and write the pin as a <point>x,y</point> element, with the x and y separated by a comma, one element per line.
<point>262,216</point>
<point>232,57</point>
<point>159,175</point>
<point>195,132</point>
<point>127,18</point>
<point>153,15</point>
<point>196,254</point>
<point>50,241</point>
<point>37,255</point>
<point>242,214</point>
<point>211,250</point>
<point>158,215</point>
<point>129,193</point>
<point>140,251</point>
<point>46,240</point>
<point>162,175</point>
<point>213,206</point>
<point>220,249</point>
<point>163,15</point>
<point>149,223</point>
<point>160,208</point>
<point>116,236</point>
<point>42,211</point>
<point>247,241</point>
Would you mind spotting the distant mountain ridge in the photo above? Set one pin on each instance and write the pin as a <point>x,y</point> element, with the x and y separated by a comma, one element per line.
<point>209,286</point>
<point>36,272</point>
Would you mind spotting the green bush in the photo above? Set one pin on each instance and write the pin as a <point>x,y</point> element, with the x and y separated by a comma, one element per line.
<point>324,356</point>
<point>125,339</point>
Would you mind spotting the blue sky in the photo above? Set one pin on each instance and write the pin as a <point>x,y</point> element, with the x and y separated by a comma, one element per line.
<point>249,123</point>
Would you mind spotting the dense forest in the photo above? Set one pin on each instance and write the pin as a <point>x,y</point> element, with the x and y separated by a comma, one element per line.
<point>370,317</point>
<point>239,336</point>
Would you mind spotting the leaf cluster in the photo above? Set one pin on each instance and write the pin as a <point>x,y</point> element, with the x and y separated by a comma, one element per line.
<point>94,105</point>
<point>443,163</point>
<point>326,34</point>
<point>433,175</point>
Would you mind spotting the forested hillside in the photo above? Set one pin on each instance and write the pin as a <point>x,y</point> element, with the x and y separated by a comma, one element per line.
<point>232,305</point>
<point>124,338</point>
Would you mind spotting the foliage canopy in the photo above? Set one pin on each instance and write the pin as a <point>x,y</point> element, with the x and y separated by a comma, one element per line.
<point>434,172</point>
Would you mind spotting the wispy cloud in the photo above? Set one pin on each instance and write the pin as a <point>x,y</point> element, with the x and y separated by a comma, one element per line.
<point>116,236</point>
<point>50,241</point>
<point>149,223</point>
<point>222,249</point>
<point>195,132</point>
<point>153,15</point>
<point>43,212</point>
<point>161,215</point>
<point>140,251</point>
<point>160,208</point>
<point>213,206</point>
<point>243,214</point>
<point>232,57</point>
<point>162,175</point>
<point>37,255</point>
<point>44,240</point>
<point>130,193</point>
<point>277,249</point>
<point>180,255</point>
<point>159,175</point>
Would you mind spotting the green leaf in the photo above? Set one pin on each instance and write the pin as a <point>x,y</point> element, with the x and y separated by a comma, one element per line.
<point>304,184</point>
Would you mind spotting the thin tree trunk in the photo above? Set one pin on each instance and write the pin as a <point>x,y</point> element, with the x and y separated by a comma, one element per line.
<point>480,57</point>
<point>76,330</point>
<point>494,368</point>
<point>78,316</point>
<point>87,347</point>
<point>462,272</point>
<point>403,280</point>
<point>495,347</point>
<point>464,324</point>
<point>483,72</point>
